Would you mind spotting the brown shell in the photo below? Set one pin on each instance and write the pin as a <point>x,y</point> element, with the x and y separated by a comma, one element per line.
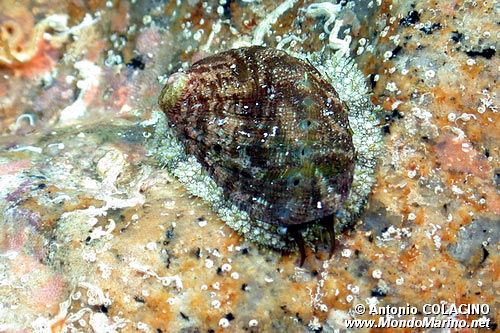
<point>269,129</point>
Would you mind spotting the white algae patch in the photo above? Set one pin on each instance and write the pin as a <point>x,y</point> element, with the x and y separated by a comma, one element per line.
<point>349,82</point>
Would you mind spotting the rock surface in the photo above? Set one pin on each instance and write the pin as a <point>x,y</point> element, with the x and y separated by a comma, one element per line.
<point>96,237</point>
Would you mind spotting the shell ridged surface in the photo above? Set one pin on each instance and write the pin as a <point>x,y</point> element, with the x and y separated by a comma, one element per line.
<point>270,131</point>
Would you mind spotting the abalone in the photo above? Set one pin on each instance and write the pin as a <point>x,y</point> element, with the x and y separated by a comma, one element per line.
<point>268,129</point>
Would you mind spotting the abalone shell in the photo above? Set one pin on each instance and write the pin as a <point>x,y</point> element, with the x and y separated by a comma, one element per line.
<point>269,129</point>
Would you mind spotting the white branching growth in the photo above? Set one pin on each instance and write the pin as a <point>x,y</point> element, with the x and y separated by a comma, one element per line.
<point>331,12</point>
<point>264,26</point>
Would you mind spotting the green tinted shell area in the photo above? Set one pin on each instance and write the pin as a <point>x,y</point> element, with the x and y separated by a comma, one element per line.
<point>268,129</point>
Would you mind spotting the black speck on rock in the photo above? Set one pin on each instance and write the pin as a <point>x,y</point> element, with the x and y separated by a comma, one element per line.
<point>373,83</point>
<point>377,292</point>
<point>457,36</point>
<point>389,118</point>
<point>139,299</point>
<point>230,316</point>
<point>485,53</point>
<point>395,114</point>
<point>396,51</point>
<point>410,19</point>
<point>486,254</point>
<point>197,252</point>
<point>227,9</point>
<point>431,28</point>
<point>169,234</point>
<point>136,63</point>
